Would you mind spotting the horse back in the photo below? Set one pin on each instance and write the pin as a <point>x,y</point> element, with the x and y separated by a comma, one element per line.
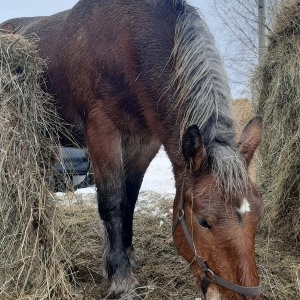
<point>121,51</point>
<point>17,25</point>
<point>112,54</point>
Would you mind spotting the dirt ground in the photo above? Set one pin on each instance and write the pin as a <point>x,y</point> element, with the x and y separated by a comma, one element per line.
<point>161,272</point>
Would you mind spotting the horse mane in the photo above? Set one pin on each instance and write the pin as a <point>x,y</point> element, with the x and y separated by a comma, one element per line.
<point>200,89</point>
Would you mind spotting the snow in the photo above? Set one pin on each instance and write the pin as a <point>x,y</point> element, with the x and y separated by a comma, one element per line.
<point>158,185</point>
<point>87,190</point>
<point>158,178</point>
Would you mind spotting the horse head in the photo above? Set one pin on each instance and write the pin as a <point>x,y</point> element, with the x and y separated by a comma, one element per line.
<point>214,229</point>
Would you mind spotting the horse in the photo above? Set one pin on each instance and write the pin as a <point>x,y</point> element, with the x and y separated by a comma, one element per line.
<point>129,76</point>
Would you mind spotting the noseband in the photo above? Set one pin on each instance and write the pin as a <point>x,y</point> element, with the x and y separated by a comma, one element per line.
<point>209,276</point>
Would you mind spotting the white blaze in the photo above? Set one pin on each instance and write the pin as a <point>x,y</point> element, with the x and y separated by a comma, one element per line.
<point>245,207</point>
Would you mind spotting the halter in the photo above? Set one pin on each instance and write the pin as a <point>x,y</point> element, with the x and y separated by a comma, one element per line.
<point>209,276</point>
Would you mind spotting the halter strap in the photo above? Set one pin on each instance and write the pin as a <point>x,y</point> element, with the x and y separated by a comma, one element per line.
<point>209,276</point>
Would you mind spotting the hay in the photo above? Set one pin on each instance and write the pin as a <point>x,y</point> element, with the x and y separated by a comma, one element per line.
<point>33,262</point>
<point>243,113</point>
<point>161,271</point>
<point>277,85</point>
<point>279,271</point>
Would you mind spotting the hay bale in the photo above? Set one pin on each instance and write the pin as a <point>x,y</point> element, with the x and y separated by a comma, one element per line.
<point>243,113</point>
<point>33,262</point>
<point>277,85</point>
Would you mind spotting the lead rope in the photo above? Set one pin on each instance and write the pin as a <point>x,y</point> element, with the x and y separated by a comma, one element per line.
<point>208,277</point>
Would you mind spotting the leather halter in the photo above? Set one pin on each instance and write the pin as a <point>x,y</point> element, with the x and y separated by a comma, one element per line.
<point>209,276</point>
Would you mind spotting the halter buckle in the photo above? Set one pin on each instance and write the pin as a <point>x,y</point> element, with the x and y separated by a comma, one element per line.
<point>207,279</point>
<point>209,274</point>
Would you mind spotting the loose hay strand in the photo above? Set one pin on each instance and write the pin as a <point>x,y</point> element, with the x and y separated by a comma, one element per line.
<point>33,262</point>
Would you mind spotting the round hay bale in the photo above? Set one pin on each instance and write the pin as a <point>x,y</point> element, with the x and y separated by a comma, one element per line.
<point>277,86</point>
<point>33,262</point>
<point>243,113</point>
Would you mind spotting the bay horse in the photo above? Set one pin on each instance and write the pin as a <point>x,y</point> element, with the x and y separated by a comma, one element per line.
<point>130,76</point>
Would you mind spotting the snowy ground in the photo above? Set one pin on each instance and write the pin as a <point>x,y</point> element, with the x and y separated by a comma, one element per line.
<point>159,177</point>
<point>158,184</point>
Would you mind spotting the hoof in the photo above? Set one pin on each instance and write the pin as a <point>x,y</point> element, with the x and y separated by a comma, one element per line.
<point>122,285</point>
<point>132,257</point>
<point>133,261</point>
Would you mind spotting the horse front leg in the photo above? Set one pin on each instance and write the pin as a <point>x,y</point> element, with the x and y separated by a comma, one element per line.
<point>138,154</point>
<point>111,201</point>
<point>104,146</point>
<point>133,184</point>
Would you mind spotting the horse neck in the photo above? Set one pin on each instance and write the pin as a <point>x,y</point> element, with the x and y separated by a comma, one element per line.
<point>197,91</point>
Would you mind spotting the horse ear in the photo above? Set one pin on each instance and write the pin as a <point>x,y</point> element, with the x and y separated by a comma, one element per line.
<point>251,138</point>
<point>192,147</point>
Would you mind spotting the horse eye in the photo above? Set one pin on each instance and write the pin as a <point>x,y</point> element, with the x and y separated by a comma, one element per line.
<point>203,223</point>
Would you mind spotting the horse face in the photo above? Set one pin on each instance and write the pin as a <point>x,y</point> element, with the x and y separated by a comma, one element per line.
<point>222,226</point>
